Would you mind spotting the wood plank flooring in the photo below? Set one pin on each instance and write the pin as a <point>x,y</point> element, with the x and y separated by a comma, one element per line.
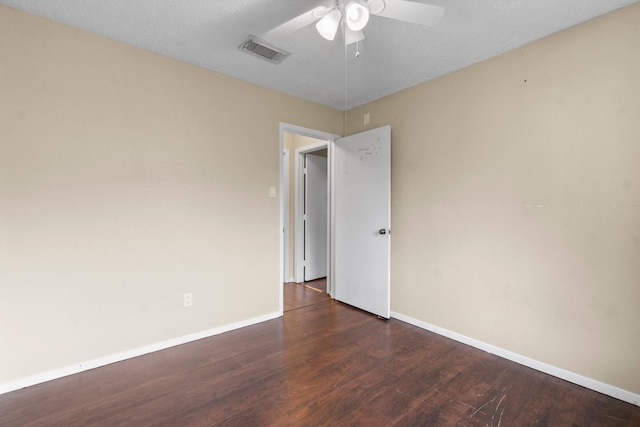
<point>322,364</point>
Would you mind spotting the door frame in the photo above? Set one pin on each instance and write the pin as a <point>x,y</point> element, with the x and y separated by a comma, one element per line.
<point>329,138</point>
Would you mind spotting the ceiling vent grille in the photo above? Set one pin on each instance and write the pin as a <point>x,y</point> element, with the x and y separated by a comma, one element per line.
<point>264,50</point>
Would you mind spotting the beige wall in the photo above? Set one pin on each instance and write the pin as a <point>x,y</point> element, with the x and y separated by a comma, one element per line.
<point>516,199</point>
<point>126,180</point>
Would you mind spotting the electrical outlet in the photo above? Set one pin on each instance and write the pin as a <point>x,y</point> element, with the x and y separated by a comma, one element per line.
<point>188,299</point>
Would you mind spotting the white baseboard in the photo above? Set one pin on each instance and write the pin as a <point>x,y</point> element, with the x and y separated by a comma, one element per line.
<point>592,384</point>
<point>117,357</point>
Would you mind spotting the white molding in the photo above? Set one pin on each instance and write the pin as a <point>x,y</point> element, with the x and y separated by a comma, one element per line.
<point>331,259</point>
<point>118,357</point>
<point>590,383</point>
<point>311,133</point>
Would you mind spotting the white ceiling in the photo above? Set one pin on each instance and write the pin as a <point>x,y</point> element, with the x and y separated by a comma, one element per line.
<point>394,56</point>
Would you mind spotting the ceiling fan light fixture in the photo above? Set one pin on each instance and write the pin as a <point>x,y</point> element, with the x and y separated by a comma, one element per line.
<point>356,16</point>
<point>328,26</point>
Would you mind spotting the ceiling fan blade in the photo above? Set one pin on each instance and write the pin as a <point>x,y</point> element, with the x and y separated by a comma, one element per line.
<point>409,11</point>
<point>351,36</point>
<point>298,23</point>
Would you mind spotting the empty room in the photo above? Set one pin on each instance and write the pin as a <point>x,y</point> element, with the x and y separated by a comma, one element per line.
<point>483,213</point>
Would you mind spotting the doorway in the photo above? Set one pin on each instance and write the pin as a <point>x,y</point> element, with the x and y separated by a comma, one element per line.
<point>300,240</point>
<point>309,219</point>
<point>359,188</point>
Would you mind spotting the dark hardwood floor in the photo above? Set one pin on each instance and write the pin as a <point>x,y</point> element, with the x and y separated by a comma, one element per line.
<point>322,364</point>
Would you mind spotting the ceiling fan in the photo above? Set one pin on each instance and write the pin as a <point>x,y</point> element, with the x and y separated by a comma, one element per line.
<point>355,15</point>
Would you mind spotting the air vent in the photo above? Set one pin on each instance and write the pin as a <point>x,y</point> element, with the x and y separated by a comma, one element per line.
<point>264,50</point>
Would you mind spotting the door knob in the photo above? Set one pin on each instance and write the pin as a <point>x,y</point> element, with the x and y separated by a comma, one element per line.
<point>382,231</point>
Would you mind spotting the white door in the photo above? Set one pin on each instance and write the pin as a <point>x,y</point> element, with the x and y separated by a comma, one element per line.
<point>362,197</point>
<point>315,217</point>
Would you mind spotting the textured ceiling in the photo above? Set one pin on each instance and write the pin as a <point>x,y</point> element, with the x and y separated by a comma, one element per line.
<point>394,56</point>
